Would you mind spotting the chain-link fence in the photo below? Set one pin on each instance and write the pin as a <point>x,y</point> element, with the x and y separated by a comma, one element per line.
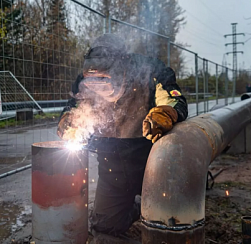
<point>42,52</point>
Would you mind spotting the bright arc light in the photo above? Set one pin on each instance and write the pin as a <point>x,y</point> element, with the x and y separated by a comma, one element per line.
<point>74,146</point>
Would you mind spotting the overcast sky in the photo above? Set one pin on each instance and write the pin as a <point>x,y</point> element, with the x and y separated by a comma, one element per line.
<point>207,23</point>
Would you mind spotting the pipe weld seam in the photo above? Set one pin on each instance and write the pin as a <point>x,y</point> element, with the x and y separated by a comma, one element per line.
<point>162,226</point>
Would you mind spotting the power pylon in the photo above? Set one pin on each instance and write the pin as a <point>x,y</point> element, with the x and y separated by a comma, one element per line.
<point>235,52</point>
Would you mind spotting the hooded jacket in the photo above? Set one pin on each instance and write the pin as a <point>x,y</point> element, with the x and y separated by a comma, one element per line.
<point>138,76</point>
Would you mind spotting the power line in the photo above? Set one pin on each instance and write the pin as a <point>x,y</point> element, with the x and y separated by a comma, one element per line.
<point>204,39</point>
<point>213,12</point>
<point>204,24</point>
<point>201,33</point>
<point>247,40</point>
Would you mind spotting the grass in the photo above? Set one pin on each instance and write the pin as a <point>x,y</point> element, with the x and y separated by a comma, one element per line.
<point>12,122</point>
<point>47,116</point>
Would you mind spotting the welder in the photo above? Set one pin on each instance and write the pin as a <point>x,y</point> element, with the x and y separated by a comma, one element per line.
<point>135,100</point>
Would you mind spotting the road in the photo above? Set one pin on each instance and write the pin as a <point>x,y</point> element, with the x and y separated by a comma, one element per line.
<point>211,104</point>
<point>15,145</point>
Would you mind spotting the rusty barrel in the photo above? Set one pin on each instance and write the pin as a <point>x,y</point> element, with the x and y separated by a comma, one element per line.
<point>59,194</point>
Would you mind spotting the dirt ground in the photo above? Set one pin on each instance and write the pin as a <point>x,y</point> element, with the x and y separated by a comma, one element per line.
<point>223,213</point>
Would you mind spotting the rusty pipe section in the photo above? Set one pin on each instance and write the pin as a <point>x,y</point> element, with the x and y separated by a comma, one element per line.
<point>246,229</point>
<point>59,194</point>
<point>174,186</point>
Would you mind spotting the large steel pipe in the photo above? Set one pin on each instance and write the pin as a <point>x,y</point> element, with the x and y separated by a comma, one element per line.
<point>59,194</point>
<point>174,186</point>
<point>245,96</point>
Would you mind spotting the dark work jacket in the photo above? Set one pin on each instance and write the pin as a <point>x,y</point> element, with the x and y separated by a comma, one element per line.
<point>124,118</point>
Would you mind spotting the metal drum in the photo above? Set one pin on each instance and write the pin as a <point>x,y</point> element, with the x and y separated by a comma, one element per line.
<point>59,194</point>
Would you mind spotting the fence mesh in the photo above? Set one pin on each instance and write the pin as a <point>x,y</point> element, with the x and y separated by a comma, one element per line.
<point>43,47</point>
<point>14,95</point>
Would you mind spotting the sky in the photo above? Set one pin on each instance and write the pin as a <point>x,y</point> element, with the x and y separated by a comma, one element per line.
<point>207,21</point>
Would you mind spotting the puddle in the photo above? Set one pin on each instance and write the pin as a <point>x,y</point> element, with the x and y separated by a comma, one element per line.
<point>12,218</point>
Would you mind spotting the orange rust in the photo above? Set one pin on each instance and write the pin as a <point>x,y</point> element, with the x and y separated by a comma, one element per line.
<point>211,129</point>
<point>56,190</point>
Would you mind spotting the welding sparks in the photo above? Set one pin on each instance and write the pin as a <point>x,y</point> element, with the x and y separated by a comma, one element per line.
<point>74,146</point>
<point>227,193</point>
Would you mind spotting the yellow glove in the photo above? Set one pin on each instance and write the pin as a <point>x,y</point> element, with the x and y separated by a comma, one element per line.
<point>159,121</point>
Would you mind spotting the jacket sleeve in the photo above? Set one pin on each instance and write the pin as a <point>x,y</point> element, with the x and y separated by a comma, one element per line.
<point>166,76</point>
<point>72,101</point>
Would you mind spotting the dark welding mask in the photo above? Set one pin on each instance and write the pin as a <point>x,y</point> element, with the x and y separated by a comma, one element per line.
<point>104,68</point>
<point>100,60</point>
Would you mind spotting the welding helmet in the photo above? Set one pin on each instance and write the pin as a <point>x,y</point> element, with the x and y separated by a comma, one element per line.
<point>104,67</point>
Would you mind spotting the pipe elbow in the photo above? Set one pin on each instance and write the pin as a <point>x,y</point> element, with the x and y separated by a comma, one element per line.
<point>175,178</point>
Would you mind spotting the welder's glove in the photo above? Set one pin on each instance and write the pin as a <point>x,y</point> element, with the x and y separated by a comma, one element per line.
<point>159,121</point>
<point>64,126</point>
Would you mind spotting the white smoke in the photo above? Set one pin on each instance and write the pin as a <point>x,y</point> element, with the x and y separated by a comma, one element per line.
<point>88,119</point>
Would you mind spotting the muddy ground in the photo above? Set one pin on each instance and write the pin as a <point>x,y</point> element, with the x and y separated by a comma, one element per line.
<point>223,213</point>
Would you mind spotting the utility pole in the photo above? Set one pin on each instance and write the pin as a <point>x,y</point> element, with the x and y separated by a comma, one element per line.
<point>235,52</point>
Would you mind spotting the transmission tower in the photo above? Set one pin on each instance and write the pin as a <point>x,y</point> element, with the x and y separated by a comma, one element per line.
<point>235,52</point>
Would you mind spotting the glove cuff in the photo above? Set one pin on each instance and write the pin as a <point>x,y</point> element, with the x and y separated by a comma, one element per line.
<point>166,109</point>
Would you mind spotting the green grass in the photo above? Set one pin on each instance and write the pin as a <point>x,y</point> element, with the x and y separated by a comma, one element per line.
<point>10,122</point>
<point>38,117</point>
<point>47,116</point>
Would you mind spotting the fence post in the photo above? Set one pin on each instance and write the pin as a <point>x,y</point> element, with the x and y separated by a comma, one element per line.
<point>109,23</point>
<point>206,76</point>
<point>204,85</point>
<point>104,25</point>
<point>226,87</point>
<point>217,85</point>
<point>196,83</point>
<point>168,52</point>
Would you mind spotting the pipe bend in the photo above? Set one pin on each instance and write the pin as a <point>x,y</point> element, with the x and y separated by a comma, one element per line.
<point>245,96</point>
<point>175,177</point>
<point>174,185</point>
